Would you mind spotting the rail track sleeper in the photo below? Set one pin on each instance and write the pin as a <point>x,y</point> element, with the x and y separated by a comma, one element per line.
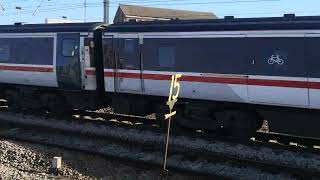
<point>175,161</point>
<point>302,144</point>
<point>93,123</point>
<point>271,166</point>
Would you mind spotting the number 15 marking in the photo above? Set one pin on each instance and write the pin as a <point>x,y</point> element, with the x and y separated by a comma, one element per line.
<point>175,85</point>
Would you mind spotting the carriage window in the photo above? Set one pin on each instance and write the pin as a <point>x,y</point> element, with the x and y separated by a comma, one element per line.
<point>68,47</point>
<point>129,45</point>
<point>166,57</point>
<point>4,53</point>
<point>23,52</point>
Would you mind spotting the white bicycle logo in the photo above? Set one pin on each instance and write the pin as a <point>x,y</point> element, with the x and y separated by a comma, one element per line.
<point>275,59</point>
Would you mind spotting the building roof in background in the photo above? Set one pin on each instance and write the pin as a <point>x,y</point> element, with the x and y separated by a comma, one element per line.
<point>141,11</point>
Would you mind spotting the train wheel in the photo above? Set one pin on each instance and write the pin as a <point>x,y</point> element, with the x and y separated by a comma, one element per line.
<point>121,105</point>
<point>161,110</point>
<point>242,124</point>
<point>55,104</point>
<point>13,98</point>
<point>163,123</point>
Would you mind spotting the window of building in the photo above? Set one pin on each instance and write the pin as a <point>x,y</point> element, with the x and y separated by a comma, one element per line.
<point>68,47</point>
<point>166,57</point>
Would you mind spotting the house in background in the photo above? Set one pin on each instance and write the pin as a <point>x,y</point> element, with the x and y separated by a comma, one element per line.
<point>127,13</point>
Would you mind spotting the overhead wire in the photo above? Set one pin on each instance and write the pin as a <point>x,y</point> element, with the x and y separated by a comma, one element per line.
<point>2,7</point>
<point>186,2</point>
<point>156,2</point>
<point>153,3</point>
<point>53,7</point>
<point>35,11</point>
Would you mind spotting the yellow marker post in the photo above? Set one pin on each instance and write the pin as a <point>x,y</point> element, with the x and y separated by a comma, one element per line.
<point>171,102</point>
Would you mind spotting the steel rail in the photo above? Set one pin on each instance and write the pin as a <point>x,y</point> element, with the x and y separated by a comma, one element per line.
<point>180,150</point>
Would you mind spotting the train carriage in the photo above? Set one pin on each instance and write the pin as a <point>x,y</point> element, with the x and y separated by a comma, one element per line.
<point>237,73</point>
<point>41,64</point>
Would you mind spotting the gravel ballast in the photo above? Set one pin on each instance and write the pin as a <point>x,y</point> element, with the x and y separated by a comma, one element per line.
<point>137,152</point>
<point>295,159</point>
<point>21,160</point>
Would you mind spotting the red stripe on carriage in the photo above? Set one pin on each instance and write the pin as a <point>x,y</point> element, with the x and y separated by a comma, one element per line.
<point>314,85</point>
<point>221,80</point>
<point>93,73</point>
<point>198,79</point>
<point>108,74</point>
<point>25,68</point>
<point>90,72</point>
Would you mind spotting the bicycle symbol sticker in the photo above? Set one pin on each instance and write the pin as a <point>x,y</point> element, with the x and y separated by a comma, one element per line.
<point>275,59</point>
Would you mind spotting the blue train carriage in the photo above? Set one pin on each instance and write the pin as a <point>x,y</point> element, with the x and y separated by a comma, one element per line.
<point>236,72</point>
<point>43,65</point>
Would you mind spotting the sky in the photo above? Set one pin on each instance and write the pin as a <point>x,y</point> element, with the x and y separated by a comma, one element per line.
<point>35,11</point>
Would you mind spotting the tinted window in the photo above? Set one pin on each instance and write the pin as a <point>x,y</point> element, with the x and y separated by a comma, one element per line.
<point>4,53</point>
<point>129,54</point>
<point>166,57</point>
<point>108,54</point>
<point>68,47</point>
<point>43,51</point>
<point>24,52</point>
<point>207,55</point>
<point>38,51</point>
<point>129,45</point>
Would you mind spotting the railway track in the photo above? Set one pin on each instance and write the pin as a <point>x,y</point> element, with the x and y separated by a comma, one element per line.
<point>274,140</point>
<point>95,135</point>
<point>106,117</point>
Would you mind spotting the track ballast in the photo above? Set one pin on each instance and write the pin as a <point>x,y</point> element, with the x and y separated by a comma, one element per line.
<point>190,149</point>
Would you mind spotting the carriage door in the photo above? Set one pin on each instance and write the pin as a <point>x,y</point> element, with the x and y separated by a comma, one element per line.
<point>277,73</point>
<point>313,56</point>
<point>68,61</point>
<point>129,64</point>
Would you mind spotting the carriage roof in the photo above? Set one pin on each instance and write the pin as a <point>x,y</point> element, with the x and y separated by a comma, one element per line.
<point>32,28</point>
<point>288,22</point>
